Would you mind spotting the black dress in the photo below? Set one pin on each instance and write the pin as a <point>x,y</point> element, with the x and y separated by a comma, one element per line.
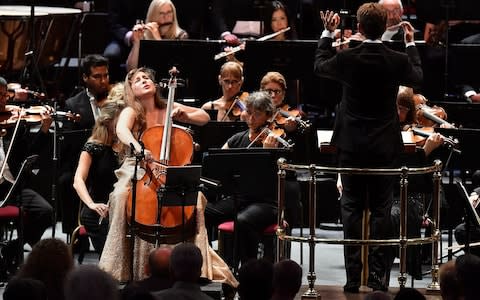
<point>100,180</point>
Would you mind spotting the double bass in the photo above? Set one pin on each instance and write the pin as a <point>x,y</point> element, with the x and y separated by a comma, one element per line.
<point>169,145</point>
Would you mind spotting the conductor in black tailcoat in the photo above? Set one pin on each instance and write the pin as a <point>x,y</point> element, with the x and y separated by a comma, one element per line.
<point>366,132</point>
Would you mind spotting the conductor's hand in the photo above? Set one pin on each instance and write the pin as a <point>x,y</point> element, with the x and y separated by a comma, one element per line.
<point>330,20</point>
<point>408,31</point>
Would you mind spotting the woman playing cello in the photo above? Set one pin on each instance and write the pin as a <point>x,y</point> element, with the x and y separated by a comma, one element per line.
<point>146,109</point>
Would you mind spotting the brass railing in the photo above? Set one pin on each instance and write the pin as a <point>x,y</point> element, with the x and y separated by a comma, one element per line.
<point>403,241</point>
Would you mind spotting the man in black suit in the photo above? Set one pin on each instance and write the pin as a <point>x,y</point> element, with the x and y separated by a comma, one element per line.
<point>87,104</point>
<point>367,130</point>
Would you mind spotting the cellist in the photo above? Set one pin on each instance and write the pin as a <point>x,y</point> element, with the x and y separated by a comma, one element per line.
<point>146,109</point>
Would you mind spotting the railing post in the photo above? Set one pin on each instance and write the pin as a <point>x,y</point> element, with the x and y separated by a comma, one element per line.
<point>434,286</point>
<point>402,276</point>
<point>281,205</point>
<point>311,293</point>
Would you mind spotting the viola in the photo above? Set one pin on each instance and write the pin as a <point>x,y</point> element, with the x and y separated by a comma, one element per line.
<point>237,106</point>
<point>285,112</point>
<point>429,116</point>
<point>271,129</point>
<point>421,134</point>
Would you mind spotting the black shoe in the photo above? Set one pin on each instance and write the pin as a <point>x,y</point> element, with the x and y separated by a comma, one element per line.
<point>376,283</point>
<point>351,287</point>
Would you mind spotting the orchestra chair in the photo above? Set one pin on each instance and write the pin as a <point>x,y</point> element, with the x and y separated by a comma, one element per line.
<point>79,241</point>
<point>226,235</point>
<point>11,219</point>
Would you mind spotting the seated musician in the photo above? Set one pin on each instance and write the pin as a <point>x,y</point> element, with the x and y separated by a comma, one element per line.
<point>146,110</point>
<point>231,80</point>
<point>38,212</point>
<point>161,24</point>
<point>252,217</point>
<point>94,177</point>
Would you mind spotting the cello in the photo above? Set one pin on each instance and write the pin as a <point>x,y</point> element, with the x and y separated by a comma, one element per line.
<point>169,145</point>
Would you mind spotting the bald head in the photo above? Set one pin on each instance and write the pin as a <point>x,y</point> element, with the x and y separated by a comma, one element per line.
<point>159,262</point>
<point>394,11</point>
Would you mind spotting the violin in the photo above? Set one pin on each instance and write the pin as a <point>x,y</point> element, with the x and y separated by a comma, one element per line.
<point>285,111</point>
<point>14,88</point>
<point>429,116</point>
<point>237,106</point>
<point>31,115</point>
<point>272,130</point>
<point>421,134</point>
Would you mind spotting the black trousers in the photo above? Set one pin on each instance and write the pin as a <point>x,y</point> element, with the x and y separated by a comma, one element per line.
<point>374,192</point>
<point>96,232</point>
<point>38,215</point>
<point>252,219</point>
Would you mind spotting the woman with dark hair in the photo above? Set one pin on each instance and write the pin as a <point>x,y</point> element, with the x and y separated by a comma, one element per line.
<point>276,19</point>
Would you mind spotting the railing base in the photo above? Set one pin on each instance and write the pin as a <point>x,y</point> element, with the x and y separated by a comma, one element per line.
<point>311,294</point>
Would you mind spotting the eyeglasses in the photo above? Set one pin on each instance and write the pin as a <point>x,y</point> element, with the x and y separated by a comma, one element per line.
<point>167,13</point>
<point>274,92</point>
<point>230,82</point>
<point>99,76</point>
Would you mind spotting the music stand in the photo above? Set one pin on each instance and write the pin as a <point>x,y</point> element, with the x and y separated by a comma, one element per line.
<point>194,60</point>
<point>471,216</point>
<point>222,130</point>
<point>243,173</point>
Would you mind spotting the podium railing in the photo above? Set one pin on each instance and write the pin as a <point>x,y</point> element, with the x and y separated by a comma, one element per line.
<point>402,241</point>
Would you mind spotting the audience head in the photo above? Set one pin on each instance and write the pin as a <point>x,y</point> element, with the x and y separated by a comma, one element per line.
<point>275,85</point>
<point>50,261</point>
<point>255,279</point>
<point>287,278</point>
<point>159,262</point>
<point>450,288</point>
<point>377,295</point>
<point>163,12</point>
<point>409,294</point>
<point>372,20</point>
<point>186,263</point>
<point>468,272</point>
<point>95,75</point>
<point>90,282</point>
<point>394,10</point>
<point>25,289</point>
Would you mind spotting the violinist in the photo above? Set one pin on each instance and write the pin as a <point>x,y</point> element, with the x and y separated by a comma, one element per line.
<point>146,109</point>
<point>252,217</point>
<point>227,107</point>
<point>87,103</point>
<point>37,211</point>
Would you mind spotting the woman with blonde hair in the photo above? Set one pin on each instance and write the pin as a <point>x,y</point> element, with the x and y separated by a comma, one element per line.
<point>161,24</point>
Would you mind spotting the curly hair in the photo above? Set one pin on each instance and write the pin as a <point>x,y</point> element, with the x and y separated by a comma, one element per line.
<point>50,261</point>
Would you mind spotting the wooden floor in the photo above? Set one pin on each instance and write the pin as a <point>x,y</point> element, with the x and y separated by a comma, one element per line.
<point>336,293</point>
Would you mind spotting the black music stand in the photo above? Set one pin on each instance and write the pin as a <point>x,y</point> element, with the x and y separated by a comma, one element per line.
<point>471,216</point>
<point>214,134</point>
<point>243,173</point>
<point>194,60</point>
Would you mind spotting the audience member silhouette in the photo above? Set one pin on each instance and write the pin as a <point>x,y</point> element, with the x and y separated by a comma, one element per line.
<point>50,261</point>
<point>409,294</point>
<point>185,268</point>
<point>255,280</point>
<point>449,283</point>
<point>158,272</point>
<point>287,279</point>
<point>90,282</point>
<point>377,295</point>
<point>468,272</point>
<point>25,289</point>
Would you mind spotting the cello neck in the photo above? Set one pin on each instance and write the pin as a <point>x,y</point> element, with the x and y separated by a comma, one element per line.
<point>167,132</point>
